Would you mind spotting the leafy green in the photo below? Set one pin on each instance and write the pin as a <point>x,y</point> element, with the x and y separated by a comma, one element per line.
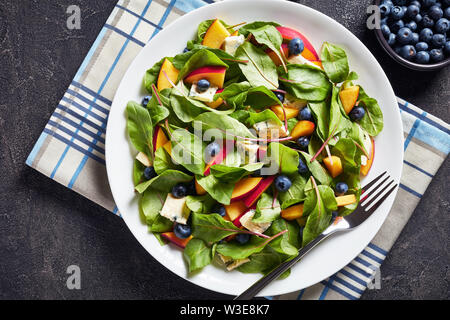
<point>289,242</point>
<point>372,122</point>
<point>200,59</point>
<point>200,204</point>
<point>249,27</point>
<point>335,62</point>
<point>197,254</point>
<point>165,181</point>
<point>219,190</point>
<point>260,70</point>
<point>158,112</point>
<point>212,227</point>
<point>152,74</point>
<point>261,262</point>
<point>319,172</point>
<point>283,158</point>
<point>161,224</point>
<point>221,123</point>
<point>266,209</point>
<point>233,174</point>
<point>140,129</point>
<point>238,251</point>
<point>151,203</point>
<point>295,194</point>
<point>321,113</point>
<point>307,82</point>
<point>138,171</point>
<point>187,150</point>
<point>269,36</point>
<point>266,115</point>
<point>163,161</point>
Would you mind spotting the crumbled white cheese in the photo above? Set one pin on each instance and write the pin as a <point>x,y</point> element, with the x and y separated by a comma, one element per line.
<point>246,221</point>
<point>294,103</point>
<point>175,209</point>
<point>207,96</point>
<point>232,43</point>
<point>232,264</point>
<point>142,158</point>
<point>270,129</point>
<point>248,151</point>
<point>299,59</point>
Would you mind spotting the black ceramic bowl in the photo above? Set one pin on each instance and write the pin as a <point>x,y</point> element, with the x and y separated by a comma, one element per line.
<point>409,64</point>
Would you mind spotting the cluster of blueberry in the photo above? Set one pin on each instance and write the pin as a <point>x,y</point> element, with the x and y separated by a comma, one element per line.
<point>417,30</point>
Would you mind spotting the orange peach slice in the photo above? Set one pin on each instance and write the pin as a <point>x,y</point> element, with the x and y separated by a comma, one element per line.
<point>217,103</point>
<point>366,168</point>
<point>214,74</point>
<point>215,35</point>
<point>244,187</point>
<point>334,165</point>
<point>235,210</point>
<point>303,128</point>
<point>199,189</point>
<point>172,74</point>
<point>349,97</point>
<point>343,201</point>
<point>275,57</point>
<point>302,221</point>
<point>168,147</point>
<point>290,112</point>
<point>292,213</point>
<point>309,52</point>
<point>171,237</point>
<point>159,138</point>
<point>250,200</point>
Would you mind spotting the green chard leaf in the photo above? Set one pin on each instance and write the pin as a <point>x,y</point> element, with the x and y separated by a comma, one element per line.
<point>152,74</point>
<point>158,112</point>
<point>217,189</point>
<point>282,158</point>
<point>200,204</point>
<point>229,174</point>
<point>261,262</point>
<point>266,209</point>
<point>187,150</point>
<point>289,242</point>
<point>269,36</point>
<point>306,82</point>
<point>221,123</point>
<point>238,251</point>
<point>260,70</point>
<point>165,181</point>
<point>295,194</point>
<point>212,227</point>
<point>163,162</point>
<point>201,58</point>
<point>250,27</point>
<point>151,203</point>
<point>140,129</point>
<point>372,121</point>
<point>138,171</point>
<point>197,254</point>
<point>335,62</point>
<point>319,172</point>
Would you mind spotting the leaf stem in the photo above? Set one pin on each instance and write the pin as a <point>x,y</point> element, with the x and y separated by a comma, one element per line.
<point>362,149</point>
<point>237,25</point>
<point>235,60</point>
<point>257,68</point>
<point>324,144</point>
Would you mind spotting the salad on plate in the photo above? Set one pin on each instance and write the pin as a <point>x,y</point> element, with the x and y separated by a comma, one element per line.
<point>250,144</point>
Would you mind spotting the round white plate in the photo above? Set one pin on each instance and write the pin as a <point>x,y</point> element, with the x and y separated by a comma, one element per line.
<point>331,255</point>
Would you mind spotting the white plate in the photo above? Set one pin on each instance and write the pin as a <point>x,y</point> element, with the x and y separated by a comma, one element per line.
<point>333,254</point>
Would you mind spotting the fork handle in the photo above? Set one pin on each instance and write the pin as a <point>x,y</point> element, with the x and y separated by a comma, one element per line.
<point>278,271</point>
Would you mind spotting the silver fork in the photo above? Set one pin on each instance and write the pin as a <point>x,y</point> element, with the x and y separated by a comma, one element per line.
<point>347,223</point>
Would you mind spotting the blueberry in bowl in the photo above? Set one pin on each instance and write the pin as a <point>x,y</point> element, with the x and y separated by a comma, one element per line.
<point>416,34</point>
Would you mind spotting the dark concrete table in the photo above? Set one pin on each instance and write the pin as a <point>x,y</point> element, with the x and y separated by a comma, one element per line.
<point>44,227</point>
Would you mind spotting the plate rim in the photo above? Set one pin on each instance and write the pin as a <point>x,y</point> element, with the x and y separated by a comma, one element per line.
<point>174,25</point>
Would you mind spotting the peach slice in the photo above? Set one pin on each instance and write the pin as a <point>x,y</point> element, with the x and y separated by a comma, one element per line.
<point>159,138</point>
<point>235,210</point>
<point>215,35</point>
<point>275,57</point>
<point>334,168</point>
<point>171,72</point>
<point>217,103</point>
<point>290,112</point>
<point>365,169</point>
<point>349,97</point>
<point>292,213</point>
<point>235,34</point>
<point>303,128</point>
<point>171,237</point>
<point>343,201</point>
<point>168,147</point>
<point>302,221</point>
<point>214,74</point>
<point>244,187</point>
<point>199,189</point>
<point>260,189</point>
<point>309,52</point>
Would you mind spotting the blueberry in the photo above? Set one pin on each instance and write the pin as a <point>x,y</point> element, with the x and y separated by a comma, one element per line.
<point>423,57</point>
<point>385,10</point>
<point>306,114</point>
<point>282,183</point>
<point>397,13</point>
<point>427,22</point>
<point>190,187</point>
<point>426,35</point>
<point>303,142</point>
<point>397,49</point>
<point>428,3</point>
<point>186,50</point>
<point>385,31</point>
<point>182,231</point>
<point>408,52</point>
<point>415,38</point>
<point>296,46</point>
<point>341,187</point>
<point>442,25</point>
<point>146,100</point>
<point>179,191</point>
<point>203,85</point>
<point>242,238</point>
<point>435,12</point>
<point>418,18</point>
<point>219,209</point>
<point>302,167</point>
<point>404,35</point>
<point>436,55</point>
<point>411,25</point>
<point>438,40</point>
<point>149,173</point>
<point>212,150</point>
<point>391,40</point>
<point>415,3</point>
<point>396,26</point>
<point>357,113</point>
<point>447,13</point>
<point>447,48</point>
<point>280,96</point>
<point>388,2</point>
<point>421,46</point>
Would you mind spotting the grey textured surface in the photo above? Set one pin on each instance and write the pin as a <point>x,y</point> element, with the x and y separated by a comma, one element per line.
<point>45,227</point>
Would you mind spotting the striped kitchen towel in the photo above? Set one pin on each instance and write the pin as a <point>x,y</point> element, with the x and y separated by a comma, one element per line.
<point>71,148</point>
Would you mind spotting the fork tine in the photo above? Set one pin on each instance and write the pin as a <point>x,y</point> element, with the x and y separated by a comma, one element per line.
<point>368,203</point>
<point>366,195</point>
<point>366,187</point>
<point>379,202</point>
